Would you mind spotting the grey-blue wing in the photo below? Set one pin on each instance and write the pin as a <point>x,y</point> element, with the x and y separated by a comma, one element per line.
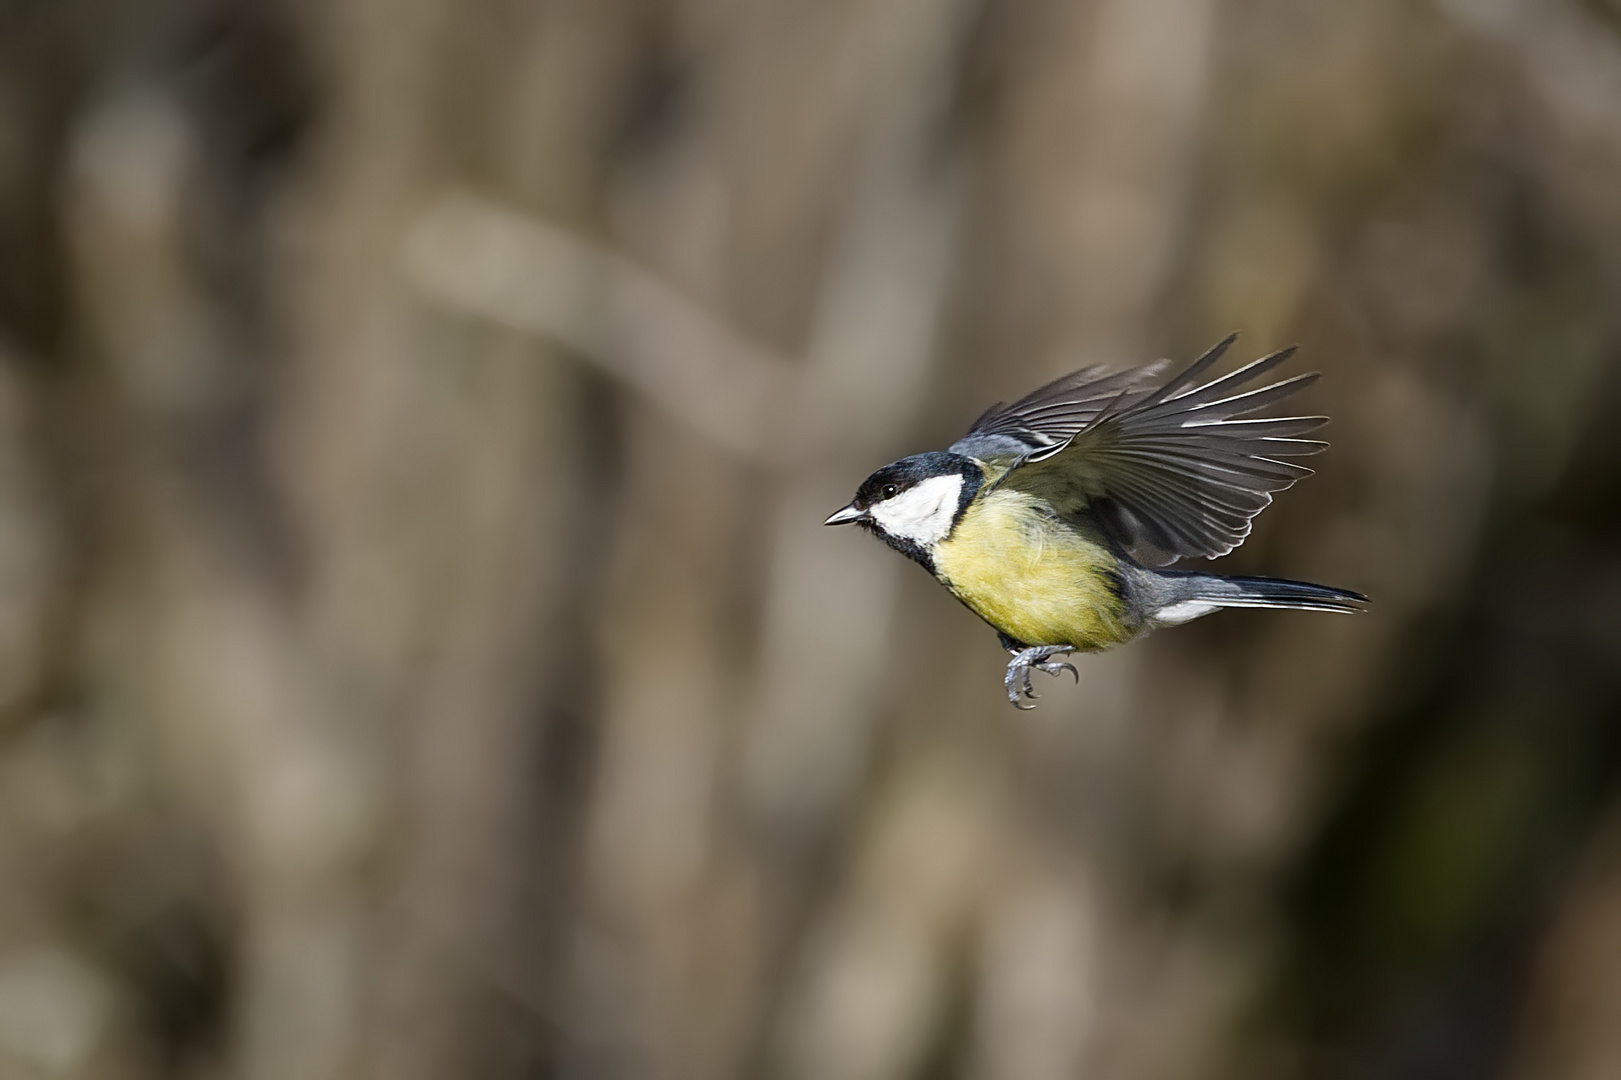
<point>1170,472</point>
<point>1052,415</point>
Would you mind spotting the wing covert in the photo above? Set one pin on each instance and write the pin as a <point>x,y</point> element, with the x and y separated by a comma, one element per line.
<point>1047,418</point>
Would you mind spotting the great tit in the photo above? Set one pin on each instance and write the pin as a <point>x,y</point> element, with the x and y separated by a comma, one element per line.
<point>1050,518</point>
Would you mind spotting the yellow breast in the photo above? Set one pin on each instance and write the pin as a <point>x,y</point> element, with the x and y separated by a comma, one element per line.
<point>1031,576</point>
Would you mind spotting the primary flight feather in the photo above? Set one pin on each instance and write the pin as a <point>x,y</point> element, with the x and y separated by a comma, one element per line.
<point>1051,517</point>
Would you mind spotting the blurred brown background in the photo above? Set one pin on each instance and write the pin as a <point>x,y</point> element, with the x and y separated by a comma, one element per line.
<point>420,656</point>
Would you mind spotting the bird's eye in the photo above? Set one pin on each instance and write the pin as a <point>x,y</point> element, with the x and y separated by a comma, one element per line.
<point>890,491</point>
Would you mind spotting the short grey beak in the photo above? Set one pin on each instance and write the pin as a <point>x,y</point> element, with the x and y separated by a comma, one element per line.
<point>845,515</point>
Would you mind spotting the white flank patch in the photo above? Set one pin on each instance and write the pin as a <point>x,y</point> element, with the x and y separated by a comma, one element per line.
<point>1184,611</point>
<point>921,513</point>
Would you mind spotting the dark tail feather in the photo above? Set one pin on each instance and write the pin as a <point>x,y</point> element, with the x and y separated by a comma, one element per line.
<point>1278,593</point>
<point>1179,595</point>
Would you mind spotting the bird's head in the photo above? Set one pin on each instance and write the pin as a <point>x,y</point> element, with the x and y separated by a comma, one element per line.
<point>915,503</point>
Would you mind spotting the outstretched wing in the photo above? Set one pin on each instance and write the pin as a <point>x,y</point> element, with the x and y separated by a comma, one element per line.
<point>1174,472</point>
<point>1049,417</point>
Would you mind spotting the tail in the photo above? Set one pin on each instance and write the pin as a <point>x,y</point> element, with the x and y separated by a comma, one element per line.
<point>1176,596</point>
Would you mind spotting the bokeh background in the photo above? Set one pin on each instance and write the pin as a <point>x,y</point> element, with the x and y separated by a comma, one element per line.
<point>420,655</point>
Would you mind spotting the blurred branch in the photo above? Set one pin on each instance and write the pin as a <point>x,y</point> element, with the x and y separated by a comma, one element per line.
<point>483,259</point>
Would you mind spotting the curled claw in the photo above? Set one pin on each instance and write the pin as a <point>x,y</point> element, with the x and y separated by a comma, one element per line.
<point>1017,680</point>
<point>1014,691</point>
<point>1055,666</point>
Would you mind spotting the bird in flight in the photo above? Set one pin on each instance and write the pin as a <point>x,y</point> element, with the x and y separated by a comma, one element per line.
<point>1052,518</point>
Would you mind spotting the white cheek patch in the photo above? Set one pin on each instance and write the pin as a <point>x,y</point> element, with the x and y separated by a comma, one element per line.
<point>921,513</point>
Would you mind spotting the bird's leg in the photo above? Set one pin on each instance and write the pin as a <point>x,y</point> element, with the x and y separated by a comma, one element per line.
<point>1033,656</point>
